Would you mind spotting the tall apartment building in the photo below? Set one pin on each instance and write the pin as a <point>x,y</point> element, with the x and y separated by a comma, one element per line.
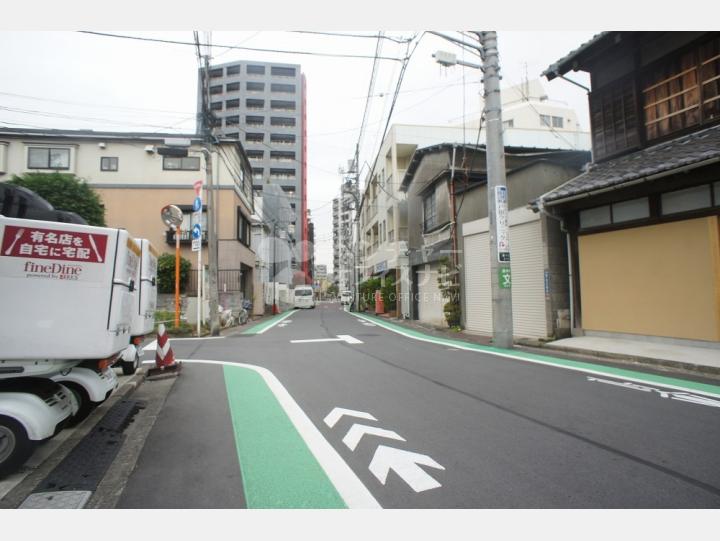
<point>263,105</point>
<point>343,262</point>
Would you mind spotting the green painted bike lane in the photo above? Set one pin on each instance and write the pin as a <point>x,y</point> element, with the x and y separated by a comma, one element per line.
<point>598,369</point>
<point>278,469</point>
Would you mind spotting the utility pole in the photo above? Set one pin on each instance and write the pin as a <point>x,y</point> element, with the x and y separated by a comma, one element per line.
<point>497,193</point>
<point>212,204</point>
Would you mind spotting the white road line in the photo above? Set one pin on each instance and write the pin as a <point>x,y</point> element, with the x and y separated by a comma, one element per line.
<point>283,318</point>
<point>349,486</point>
<point>340,338</point>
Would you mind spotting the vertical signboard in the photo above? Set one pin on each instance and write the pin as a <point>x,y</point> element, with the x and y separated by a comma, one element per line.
<point>503,230</point>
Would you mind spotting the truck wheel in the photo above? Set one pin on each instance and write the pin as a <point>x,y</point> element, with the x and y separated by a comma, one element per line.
<point>129,368</point>
<point>84,403</point>
<point>15,446</point>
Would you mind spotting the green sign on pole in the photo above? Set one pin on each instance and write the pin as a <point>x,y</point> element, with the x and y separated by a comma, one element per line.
<point>504,277</point>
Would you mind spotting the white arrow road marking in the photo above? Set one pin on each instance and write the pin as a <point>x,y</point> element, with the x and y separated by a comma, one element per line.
<point>340,338</point>
<point>335,415</point>
<point>357,431</point>
<point>406,465</point>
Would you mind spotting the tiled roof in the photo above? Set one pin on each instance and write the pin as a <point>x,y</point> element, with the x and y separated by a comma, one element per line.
<point>554,69</point>
<point>664,157</point>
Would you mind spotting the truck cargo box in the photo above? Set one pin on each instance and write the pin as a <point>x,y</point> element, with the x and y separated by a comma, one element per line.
<point>65,290</point>
<point>143,320</point>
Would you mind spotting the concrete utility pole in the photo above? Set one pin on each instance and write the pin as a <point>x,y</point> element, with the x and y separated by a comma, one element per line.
<point>212,204</point>
<point>497,193</point>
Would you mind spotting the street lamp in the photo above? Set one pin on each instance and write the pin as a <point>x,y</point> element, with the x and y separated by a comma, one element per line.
<point>172,217</point>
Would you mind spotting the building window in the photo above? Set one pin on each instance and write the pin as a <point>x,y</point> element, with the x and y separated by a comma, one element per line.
<point>634,209</point>
<point>254,87</point>
<point>286,89</point>
<point>282,121</point>
<point>429,212</point>
<point>217,89</point>
<point>281,155</point>
<point>243,228</point>
<point>276,172</point>
<point>255,104</point>
<point>716,189</point>
<point>258,173</point>
<point>232,135</point>
<point>108,163</point>
<point>686,200</point>
<point>557,122</point>
<point>254,137</point>
<point>595,217</point>
<point>282,105</point>
<point>508,123</point>
<point>283,139</point>
<point>232,120</point>
<point>215,73</point>
<point>172,163</point>
<point>282,72</point>
<point>216,106</point>
<point>290,190</point>
<point>232,87</point>
<point>254,120</point>
<point>48,158</point>
<point>256,154</point>
<point>232,104</point>
<point>258,187</point>
<point>551,121</point>
<point>255,70</point>
<point>233,70</point>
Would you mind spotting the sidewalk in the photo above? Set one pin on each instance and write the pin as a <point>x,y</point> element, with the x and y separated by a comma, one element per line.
<point>698,360</point>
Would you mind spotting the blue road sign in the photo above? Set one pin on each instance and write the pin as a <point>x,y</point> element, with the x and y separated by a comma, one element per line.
<point>197,231</point>
<point>197,204</point>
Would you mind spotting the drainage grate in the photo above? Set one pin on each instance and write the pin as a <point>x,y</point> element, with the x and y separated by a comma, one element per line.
<point>87,463</point>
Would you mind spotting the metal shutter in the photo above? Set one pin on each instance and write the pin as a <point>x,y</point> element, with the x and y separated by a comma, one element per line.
<point>478,298</point>
<point>528,284</point>
<point>430,302</point>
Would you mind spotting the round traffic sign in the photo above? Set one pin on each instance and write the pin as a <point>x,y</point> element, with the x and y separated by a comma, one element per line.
<point>197,204</point>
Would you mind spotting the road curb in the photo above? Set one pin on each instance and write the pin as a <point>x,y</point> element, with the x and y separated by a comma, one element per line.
<point>19,493</point>
<point>664,365</point>
<point>638,359</point>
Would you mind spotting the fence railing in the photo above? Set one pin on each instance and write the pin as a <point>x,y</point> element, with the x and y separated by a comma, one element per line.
<point>229,280</point>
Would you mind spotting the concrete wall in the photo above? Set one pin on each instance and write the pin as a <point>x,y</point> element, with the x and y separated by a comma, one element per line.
<point>658,280</point>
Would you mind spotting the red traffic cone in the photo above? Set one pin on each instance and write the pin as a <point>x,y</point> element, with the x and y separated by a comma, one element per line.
<point>165,362</point>
<point>164,355</point>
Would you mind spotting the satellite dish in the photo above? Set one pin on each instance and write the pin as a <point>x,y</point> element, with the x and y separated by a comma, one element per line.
<point>172,216</point>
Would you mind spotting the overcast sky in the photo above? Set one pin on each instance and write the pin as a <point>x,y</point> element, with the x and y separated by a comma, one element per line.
<point>80,81</point>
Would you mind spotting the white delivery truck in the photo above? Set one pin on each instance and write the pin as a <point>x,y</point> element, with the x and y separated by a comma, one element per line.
<point>67,292</point>
<point>303,297</point>
<point>143,311</point>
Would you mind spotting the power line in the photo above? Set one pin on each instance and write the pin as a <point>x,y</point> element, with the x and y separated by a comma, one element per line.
<point>85,104</point>
<point>178,42</point>
<point>36,112</point>
<point>345,35</point>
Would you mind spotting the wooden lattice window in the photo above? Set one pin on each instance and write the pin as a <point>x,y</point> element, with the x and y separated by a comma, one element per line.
<point>682,92</point>
<point>710,79</point>
<point>613,113</point>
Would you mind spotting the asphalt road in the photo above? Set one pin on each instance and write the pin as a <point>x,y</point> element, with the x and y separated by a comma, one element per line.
<point>488,431</point>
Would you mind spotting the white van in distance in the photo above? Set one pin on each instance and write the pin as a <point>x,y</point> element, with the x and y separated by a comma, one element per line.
<point>346,297</point>
<point>304,297</point>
